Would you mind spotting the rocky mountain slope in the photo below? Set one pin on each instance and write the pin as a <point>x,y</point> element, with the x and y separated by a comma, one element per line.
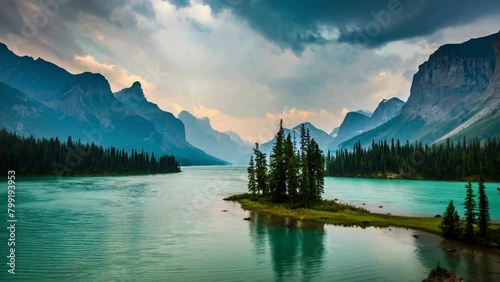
<point>23,115</point>
<point>169,132</point>
<point>88,107</point>
<point>454,94</point>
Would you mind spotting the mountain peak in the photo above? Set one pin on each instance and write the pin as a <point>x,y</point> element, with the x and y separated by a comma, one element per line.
<point>387,109</point>
<point>395,99</point>
<point>473,48</point>
<point>134,90</point>
<point>185,114</point>
<point>364,112</point>
<point>306,125</point>
<point>93,80</point>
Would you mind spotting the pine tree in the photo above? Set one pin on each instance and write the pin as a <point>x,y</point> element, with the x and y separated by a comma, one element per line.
<point>304,166</point>
<point>292,169</point>
<point>252,182</point>
<point>470,212</point>
<point>260,170</point>
<point>484,219</point>
<point>450,224</point>
<point>318,163</point>
<point>277,168</point>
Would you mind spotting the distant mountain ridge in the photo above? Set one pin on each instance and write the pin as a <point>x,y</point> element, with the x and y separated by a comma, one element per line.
<point>455,94</point>
<point>322,138</point>
<point>226,146</point>
<point>88,107</point>
<point>356,123</point>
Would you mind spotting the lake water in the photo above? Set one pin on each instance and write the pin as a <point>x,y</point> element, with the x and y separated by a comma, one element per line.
<point>172,228</point>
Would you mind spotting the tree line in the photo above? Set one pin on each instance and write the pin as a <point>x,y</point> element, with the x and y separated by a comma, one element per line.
<point>446,161</point>
<point>293,175</point>
<point>474,216</point>
<point>32,156</point>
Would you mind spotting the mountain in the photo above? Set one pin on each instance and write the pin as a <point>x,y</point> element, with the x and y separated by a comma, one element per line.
<point>356,123</point>
<point>322,138</point>
<point>386,110</point>
<point>237,139</point>
<point>226,146</point>
<point>335,132</point>
<point>87,106</point>
<point>23,115</point>
<point>454,94</point>
<point>365,112</point>
<point>37,78</point>
<point>169,131</point>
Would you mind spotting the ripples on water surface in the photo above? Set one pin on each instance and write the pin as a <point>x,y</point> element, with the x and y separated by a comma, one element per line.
<point>171,227</point>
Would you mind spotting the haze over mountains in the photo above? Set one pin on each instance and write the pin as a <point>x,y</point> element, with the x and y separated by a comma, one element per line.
<point>455,93</point>
<point>322,138</point>
<point>356,123</point>
<point>83,106</point>
<point>227,146</point>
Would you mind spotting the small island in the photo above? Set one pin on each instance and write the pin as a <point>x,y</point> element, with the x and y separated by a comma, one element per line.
<point>292,184</point>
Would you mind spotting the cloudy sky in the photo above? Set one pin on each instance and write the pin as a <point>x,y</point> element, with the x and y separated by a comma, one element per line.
<point>247,63</point>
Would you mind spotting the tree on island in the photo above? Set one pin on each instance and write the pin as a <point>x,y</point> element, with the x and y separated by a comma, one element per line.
<point>451,222</point>
<point>252,181</point>
<point>260,170</point>
<point>277,168</point>
<point>470,212</point>
<point>292,169</point>
<point>304,168</point>
<point>484,219</point>
<point>294,176</point>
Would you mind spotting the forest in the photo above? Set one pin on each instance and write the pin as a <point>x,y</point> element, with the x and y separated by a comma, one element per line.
<point>33,156</point>
<point>464,160</point>
<point>293,175</point>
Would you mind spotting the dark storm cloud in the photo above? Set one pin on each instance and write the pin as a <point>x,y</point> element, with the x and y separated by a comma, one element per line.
<point>297,23</point>
<point>46,23</point>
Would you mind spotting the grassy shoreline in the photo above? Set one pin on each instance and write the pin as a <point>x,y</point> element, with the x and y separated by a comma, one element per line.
<point>331,212</point>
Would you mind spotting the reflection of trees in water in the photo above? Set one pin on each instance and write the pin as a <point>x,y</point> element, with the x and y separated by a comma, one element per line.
<point>313,250</point>
<point>258,233</point>
<point>296,253</point>
<point>472,264</point>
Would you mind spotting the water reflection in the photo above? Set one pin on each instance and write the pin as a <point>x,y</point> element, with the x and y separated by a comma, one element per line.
<point>472,263</point>
<point>296,248</point>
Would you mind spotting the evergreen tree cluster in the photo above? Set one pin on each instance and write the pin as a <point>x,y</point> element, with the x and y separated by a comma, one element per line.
<point>474,215</point>
<point>447,161</point>
<point>32,156</point>
<point>293,175</point>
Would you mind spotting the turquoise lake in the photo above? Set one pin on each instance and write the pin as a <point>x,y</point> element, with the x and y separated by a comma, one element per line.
<point>173,228</point>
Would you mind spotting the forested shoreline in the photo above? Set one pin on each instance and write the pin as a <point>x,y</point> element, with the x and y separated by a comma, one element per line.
<point>43,157</point>
<point>465,160</point>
